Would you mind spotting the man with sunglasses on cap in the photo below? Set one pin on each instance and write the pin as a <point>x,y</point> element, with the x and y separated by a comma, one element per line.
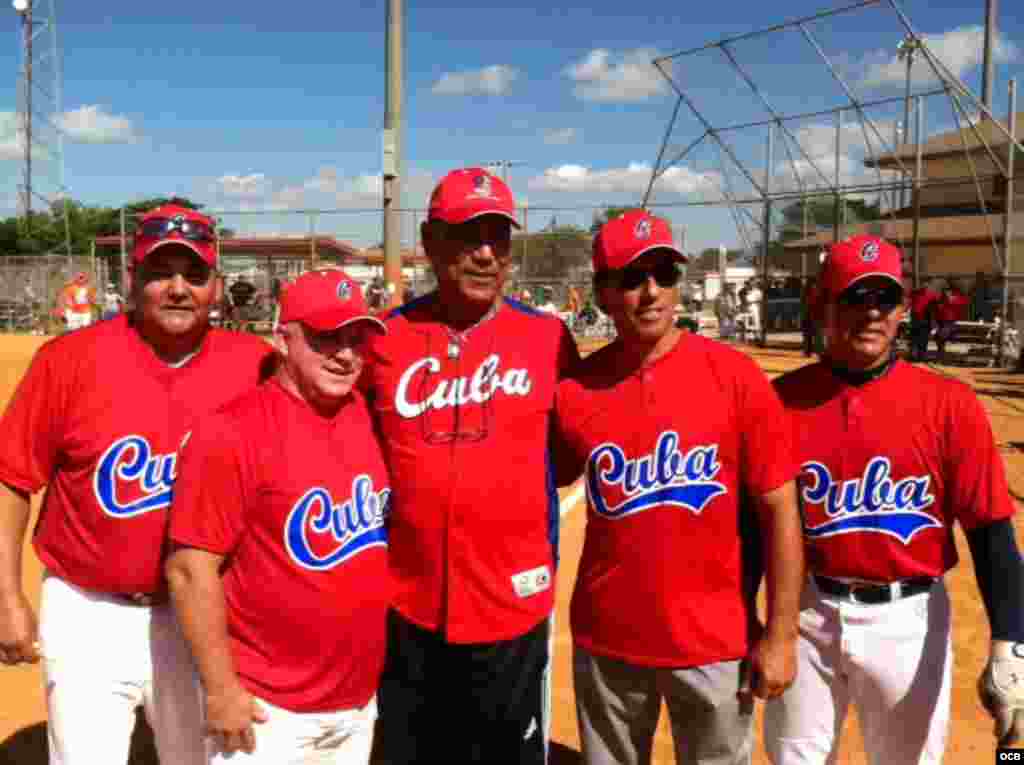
<point>278,568</point>
<point>463,388</point>
<point>97,420</point>
<point>684,450</point>
<point>892,456</point>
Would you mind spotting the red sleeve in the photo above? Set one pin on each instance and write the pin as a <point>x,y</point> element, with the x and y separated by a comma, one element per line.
<point>566,461</point>
<point>977,494</point>
<point>766,434</point>
<point>30,447</point>
<point>207,511</point>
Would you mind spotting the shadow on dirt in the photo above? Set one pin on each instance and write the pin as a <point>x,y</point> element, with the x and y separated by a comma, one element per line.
<point>28,746</point>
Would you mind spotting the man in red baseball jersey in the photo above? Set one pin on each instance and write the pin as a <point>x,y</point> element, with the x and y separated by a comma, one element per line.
<point>923,302</point>
<point>97,421</point>
<point>279,569</point>
<point>675,434</point>
<point>462,388</point>
<point>950,309</point>
<point>892,456</point>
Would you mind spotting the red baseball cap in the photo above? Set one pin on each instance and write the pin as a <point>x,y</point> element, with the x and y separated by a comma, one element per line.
<point>624,239</point>
<point>857,258</point>
<point>325,299</point>
<point>171,224</point>
<point>468,193</point>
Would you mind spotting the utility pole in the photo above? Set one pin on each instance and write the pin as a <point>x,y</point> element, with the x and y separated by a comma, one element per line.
<point>907,49</point>
<point>392,164</point>
<point>988,69</point>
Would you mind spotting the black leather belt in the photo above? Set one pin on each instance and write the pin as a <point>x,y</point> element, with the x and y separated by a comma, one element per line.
<point>871,594</point>
<point>141,598</point>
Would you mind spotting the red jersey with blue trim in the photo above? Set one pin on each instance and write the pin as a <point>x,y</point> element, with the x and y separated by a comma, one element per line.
<point>464,422</point>
<point>888,467</point>
<point>298,504</point>
<point>669,451</point>
<point>98,419</point>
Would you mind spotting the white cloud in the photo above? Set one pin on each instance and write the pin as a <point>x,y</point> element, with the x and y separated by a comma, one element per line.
<point>633,77</point>
<point>960,49</point>
<point>90,124</point>
<point>632,179</point>
<point>253,185</point>
<point>490,81</point>
<point>559,136</point>
<point>10,143</point>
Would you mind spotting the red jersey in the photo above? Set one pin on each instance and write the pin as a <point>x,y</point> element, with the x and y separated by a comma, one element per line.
<point>98,419</point>
<point>669,451</point>
<point>921,302</point>
<point>887,467</point>
<point>952,307</point>
<point>297,503</point>
<point>464,422</point>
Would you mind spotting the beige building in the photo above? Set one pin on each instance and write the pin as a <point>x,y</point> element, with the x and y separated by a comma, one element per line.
<point>958,234</point>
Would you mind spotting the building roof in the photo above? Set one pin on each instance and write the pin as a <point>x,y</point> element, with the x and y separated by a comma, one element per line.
<point>959,229</point>
<point>374,256</point>
<point>951,143</point>
<point>268,246</point>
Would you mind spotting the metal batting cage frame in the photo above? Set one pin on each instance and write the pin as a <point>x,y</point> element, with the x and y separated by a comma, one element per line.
<point>766,163</point>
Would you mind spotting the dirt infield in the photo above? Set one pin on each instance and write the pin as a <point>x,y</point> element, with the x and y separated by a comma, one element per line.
<point>22,709</point>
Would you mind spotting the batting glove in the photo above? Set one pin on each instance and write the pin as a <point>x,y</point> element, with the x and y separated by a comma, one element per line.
<point>1001,687</point>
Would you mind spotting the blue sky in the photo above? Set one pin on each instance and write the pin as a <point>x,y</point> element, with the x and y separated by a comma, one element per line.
<point>248,106</point>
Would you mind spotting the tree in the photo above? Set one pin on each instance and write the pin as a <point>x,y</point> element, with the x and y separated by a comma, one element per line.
<point>606,215</point>
<point>557,255</point>
<point>810,213</point>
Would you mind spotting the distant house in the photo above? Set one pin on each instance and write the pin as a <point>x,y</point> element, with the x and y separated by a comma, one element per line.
<point>959,234</point>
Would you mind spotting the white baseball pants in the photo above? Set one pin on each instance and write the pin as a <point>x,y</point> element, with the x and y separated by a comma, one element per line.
<point>102,659</point>
<point>892,660</point>
<point>76,320</point>
<point>315,738</point>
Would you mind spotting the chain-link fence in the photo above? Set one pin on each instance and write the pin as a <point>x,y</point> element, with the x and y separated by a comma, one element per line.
<point>30,287</point>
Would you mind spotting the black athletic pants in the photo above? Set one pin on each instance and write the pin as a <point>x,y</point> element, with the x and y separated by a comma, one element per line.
<point>458,704</point>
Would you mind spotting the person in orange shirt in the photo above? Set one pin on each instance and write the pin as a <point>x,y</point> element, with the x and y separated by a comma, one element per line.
<point>77,300</point>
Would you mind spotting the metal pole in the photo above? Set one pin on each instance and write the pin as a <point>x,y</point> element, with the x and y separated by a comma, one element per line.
<point>906,114</point>
<point>124,253</point>
<point>839,199</point>
<point>918,172</point>
<point>988,68</point>
<point>26,25</point>
<point>767,235</point>
<point>1008,218</point>
<point>393,156</point>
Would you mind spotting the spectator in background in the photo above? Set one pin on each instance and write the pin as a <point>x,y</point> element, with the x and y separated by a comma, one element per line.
<point>948,311</point>
<point>981,296</point>
<point>77,301</point>
<point>923,302</point>
<point>755,310</point>
<point>726,308</point>
<point>112,302</point>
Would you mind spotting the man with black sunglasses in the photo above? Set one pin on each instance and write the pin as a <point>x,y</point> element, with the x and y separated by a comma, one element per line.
<point>892,456</point>
<point>463,390</point>
<point>98,420</point>
<point>677,437</point>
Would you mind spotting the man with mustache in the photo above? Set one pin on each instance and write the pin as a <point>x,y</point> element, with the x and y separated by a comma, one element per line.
<point>892,455</point>
<point>279,568</point>
<point>462,388</point>
<point>97,420</point>
<point>677,436</point>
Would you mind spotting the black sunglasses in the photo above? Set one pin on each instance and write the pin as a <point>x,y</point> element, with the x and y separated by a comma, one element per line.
<point>666,274</point>
<point>885,299</point>
<point>193,230</point>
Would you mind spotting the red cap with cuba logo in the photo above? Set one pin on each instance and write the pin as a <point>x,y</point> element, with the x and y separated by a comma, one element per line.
<point>624,239</point>
<point>468,193</point>
<point>325,299</point>
<point>171,224</point>
<point>857,258</point>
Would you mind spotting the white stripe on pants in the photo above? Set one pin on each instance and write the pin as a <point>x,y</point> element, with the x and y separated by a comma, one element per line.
<point>313,738</point>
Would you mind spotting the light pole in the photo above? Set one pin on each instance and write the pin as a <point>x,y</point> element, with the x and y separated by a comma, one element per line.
<point>24,10</point>
<point>392,169</point>
<point>906,50</point>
